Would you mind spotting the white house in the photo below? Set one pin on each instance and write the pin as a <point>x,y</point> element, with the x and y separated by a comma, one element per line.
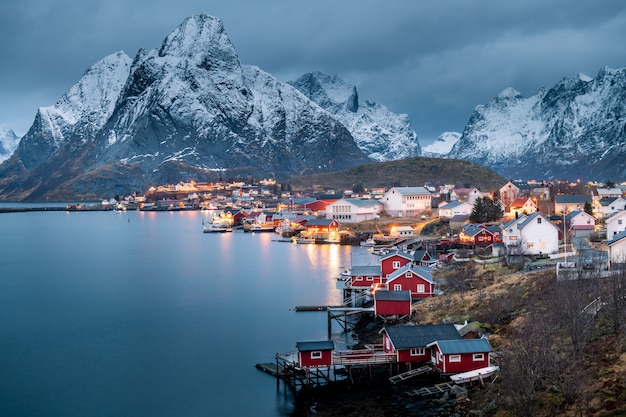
<point>580,223</point>
<point>564,203</point>
<point>608,206</point>
<point>531,235</point>
<point>406,201</point>
<point>469,195</point>
<point>401,231</point>
<point>522,205</point>
<point>615,224</point>
<point>617,251</point>
<point>353,210</point>
<point>447,210</point>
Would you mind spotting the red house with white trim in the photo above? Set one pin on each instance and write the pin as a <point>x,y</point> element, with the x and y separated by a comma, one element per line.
<point>476,234</point>
<point>315,354</point>
<point>410,343</point>
<point>455,356</point>
<point>394,261</point>
<point>365,276</point>
<point>414,278</point>
<point>392,303</point>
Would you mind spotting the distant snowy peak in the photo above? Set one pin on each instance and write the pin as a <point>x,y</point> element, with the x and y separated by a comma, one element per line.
<point>379,133</point>
<point>442,146</point>
<point>8,143</point>
<point>574,128</point>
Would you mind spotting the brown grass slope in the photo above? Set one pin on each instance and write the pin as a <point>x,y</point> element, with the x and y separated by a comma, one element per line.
<point>405,172</point>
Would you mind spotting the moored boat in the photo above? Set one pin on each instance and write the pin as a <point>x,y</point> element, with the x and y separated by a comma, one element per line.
<point>217,228</point>
<point>475,375</point>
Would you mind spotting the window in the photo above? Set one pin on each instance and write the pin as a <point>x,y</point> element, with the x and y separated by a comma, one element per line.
<point>395,264</point>
<point>370,278</point>
<point>397,287</point>
<point>409,274</point>
<point>417,351</point>
<point>316,354</point>
<point>420,288</point>
<point>530,245</point>
<point>479,357</point>
<point>359,278</point>
<point>539,220</point>
<point>454,358</point>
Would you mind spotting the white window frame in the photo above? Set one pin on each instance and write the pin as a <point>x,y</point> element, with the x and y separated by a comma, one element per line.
<point>454,358</point>
<point>417,351</point>
<point>316,354</point>
<point>478,357</point>
<point>397,287</point>
<point>395,264</point>
<point>409,274</point>
<point>421,288</point>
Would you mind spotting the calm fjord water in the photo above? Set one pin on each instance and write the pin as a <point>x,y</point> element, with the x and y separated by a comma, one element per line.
<point>142,314</point>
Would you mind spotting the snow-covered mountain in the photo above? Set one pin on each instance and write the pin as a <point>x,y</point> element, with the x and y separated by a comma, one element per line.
<point>381,134</point>
<point>189,109</point>
<point>442,146</point>
<point>576,129</point>
<point>8,142</point>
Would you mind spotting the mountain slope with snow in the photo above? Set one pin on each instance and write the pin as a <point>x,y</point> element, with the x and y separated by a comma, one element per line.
<point>379,133</point>
<point>8,143</point>
<point>186,110</point>
<point>574,130</point>
<point>442,146</point>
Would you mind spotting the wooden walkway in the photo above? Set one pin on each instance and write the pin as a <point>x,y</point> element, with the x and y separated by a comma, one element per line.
<point>432,390</point>
<point>412,373</point>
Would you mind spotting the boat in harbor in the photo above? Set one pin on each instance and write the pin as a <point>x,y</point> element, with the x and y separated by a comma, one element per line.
<point>303,239</point>
<point>260,228</point>
<point>475,375</point>
<point>368,243</point>
<point>217,228</point>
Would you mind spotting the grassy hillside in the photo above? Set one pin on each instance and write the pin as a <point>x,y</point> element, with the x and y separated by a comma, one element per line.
<point>405,172</point>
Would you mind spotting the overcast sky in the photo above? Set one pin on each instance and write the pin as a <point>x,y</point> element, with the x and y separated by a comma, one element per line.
<point>432,59</point>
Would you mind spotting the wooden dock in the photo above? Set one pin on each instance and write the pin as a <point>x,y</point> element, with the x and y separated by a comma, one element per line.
<point>412,373</point>
<point>270,368</point>
<point>432,390</point>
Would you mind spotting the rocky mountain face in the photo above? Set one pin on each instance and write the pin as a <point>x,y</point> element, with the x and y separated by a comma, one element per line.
<point>189,109</point>
<point>574,130</point>
<point>379,133</point>
<point>8,143</point>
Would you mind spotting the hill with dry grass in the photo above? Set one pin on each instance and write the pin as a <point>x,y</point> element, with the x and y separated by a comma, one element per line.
<point>405,172</point>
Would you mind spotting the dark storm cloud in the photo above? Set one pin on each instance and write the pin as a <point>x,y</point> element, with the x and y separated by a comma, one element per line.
<point>433,60</point>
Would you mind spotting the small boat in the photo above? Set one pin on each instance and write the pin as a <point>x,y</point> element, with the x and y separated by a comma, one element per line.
<point>368,243</point>
<point>344,274</point>
<point>303,239</point>
<point>475,375</point>
<point>258,227</point>
<point>217,228</point>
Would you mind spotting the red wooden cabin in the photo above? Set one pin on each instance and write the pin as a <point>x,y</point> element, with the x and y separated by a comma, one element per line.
<point>315,354</point>
<point>416,279</point>
<point>455,356</point>
<point>365,276</point>
<point>410,343</point>
<point>392,303</point>
<point>394,261</point>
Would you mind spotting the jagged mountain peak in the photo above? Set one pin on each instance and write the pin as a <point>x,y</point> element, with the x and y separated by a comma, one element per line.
<point>441,147</point>
<point>8,142</point>
<point>575,129</point>
<point>379,133</point>
<point>186,110</point>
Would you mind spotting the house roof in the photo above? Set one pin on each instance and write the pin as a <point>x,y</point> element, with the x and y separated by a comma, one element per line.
<point>298,200</point>
<point>522,185</point>
<point>320,222</point>
<point>572,198</point>
<point>365,270</point>
<point>606,201</point>
<point>386,295</point>
<point>448,347</point>
<point>420,271</point>
<point>473,230</point>
<point>363,202</point>
<point>453,204</point>
<point>617,238</point>
<point>319,345</point>
<point>520,202</point>
<point>411,190</point>
<point>459,218</point>
<point>406,337</point>
<point>399,253</point>
<point>419,255</point>
<point>531,217</point>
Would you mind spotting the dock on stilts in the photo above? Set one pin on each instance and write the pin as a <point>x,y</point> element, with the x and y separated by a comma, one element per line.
<point>412,373</point>
<point>337,313</point>
<point>432,390</point>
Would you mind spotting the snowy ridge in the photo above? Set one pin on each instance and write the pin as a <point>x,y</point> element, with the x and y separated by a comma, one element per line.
<point>442,146</point>
<point>379,133</point>
<point>562,132</point>
<point>8,143</point>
